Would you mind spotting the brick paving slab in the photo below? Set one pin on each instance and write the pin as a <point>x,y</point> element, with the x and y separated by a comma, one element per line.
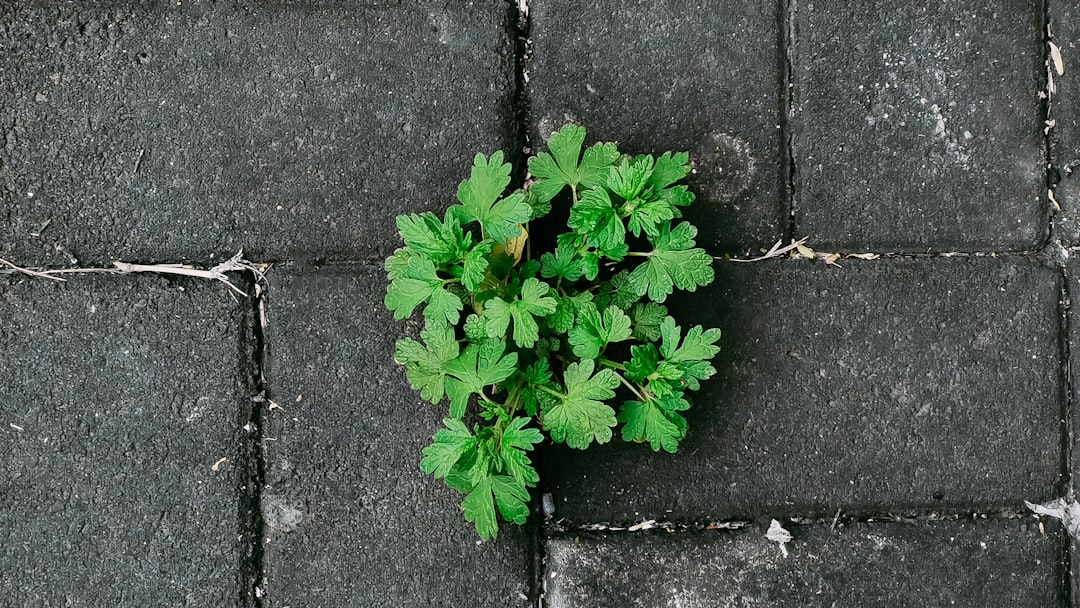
<point>931,383</point>
<point>985,563</point>
<point>352,521</point>
<point>119,397</point>
<point>1065,111</point>
<point>659,76</point>
<point>184,130</point>
<point>923,131</point>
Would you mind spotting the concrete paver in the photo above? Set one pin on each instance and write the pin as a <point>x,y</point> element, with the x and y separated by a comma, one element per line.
<point>659,76</point>
<point>920,132</point>
<point>880,386</point>
<point>963,563</point>
<point>185,130</point>
<point>122,408</point>
<point>352,520</point>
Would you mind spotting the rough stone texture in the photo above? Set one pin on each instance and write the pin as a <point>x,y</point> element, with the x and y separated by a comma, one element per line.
<point>119,396</point>
<point>352,521</point>
<point>1065,111</point>
<point>181,130</point>
<point>983,563</point>
<point>918,126</point>
<point>659,76</point>
<point>880,386</point>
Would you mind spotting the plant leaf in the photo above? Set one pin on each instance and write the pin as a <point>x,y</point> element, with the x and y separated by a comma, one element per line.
<point>580,417</point>
<point>499,219</point>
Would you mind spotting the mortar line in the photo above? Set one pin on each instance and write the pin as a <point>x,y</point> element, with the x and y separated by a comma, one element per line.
<point>1065,305</point>
<point>521,141</point>
<point>721,525</point>
<point>1066,482</point>
<point>785,48</point>
<point>256,455</point>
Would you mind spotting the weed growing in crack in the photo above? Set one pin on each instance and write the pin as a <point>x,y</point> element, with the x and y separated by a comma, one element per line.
<point>520,340</point>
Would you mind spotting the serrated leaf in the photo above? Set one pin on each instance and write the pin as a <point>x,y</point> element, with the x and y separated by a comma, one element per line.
<point>512,498</point>
<point>656,421</point>
<point>595,330</point>
<point>648,216</point>
<point>563,264</point>
<point>425,364</point>
<point>595,218</point>
<point>398,262</point>
<point>621,291</point>
<point>427,235</point>
<point>643,361</point>
<point>698,344</point>
<point>475,265</point>
<point>450,445</point>
<point>561,167</point>
<point>532,302</point>
<point>475,329</point>
<point>499,219</point>
<point>480,365</point>
<point>579,417</point>
<point>420,283</point>
<point>480,509</point>
<point>669,168</point>
<point>516,440</point>
<point>566,311</point>
<point>647,317</point>
<point>629,178</point>
<point>673,264</point>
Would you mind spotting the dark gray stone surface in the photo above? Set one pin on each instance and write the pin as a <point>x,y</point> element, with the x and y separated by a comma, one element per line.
<point>884,385</point>
<point>668,75</point>
<point>1065,112</point>
<point>994,563</point>
<point>118,397</point>
<point>352,520</point>
<point>918,126</point>
<point>181,130</point>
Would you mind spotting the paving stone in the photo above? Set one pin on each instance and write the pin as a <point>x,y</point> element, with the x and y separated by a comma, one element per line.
<point>923,131</point>
<point>1065,112</point>
<point>659,76</point>
<point>352,521</point>
<point>922,384</point>
<point>180,130</point>
<point>982,563</point>
<point>121,467</point>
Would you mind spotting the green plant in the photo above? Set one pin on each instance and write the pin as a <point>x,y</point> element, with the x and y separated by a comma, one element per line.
<point>553,336</point>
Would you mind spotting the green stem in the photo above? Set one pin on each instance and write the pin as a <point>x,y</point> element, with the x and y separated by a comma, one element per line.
<point>550,391</point>
<point>613,364</point>
<point>632,388</point>
<point>640,254</point>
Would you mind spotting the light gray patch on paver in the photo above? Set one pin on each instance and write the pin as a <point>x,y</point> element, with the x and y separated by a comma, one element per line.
<point>658,76</point>
<point>885,385</point>
<point>345,452</point>
<point>169,131</point>
<point>921,132</point>
<point>984,563</point>
<point>111,492</point>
